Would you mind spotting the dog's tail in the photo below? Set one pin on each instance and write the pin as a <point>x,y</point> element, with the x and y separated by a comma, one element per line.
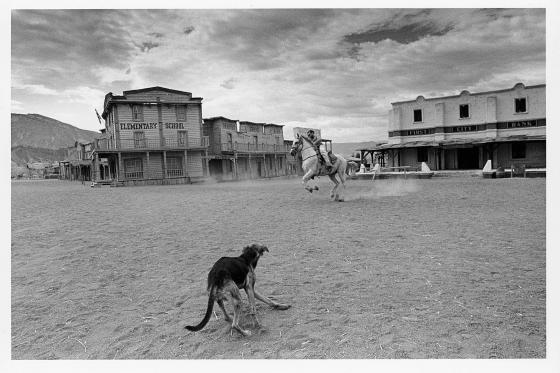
<point>202,324</point>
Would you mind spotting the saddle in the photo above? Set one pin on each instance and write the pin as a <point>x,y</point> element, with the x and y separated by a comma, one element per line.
<point>330,154</point>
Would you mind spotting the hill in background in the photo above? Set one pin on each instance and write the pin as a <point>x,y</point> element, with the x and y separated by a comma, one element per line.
<point>36,138</point>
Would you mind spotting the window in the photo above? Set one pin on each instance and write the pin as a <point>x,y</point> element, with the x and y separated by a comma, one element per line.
<point>181,112</point>
<point>133,168</point>
<point>464,111</point>
<point>422,154</point>
<point>182,138</point>
<point>139,139</point>
<point>229,141</point>
<point>174,166</point>
<point>418,115</point>
<point>518,150</point>
<point>137,113</point>
<point>521,105</point>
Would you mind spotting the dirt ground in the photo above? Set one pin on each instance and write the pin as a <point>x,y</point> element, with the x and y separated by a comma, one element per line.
<point>441,268</point>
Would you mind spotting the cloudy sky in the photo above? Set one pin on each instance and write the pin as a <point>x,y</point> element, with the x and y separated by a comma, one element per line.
<point>333,69</point>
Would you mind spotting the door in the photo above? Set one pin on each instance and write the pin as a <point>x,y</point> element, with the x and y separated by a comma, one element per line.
<point>467,158</point>
<point>229,142</point>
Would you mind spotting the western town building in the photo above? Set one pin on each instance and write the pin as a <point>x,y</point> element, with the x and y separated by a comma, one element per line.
<point>77,163</point>
<point>151,136</point>
<point>464,131</point>
<point>245,150</point>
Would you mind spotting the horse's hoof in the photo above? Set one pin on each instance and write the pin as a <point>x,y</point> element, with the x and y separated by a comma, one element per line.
<point>341,200</point>
<point>316,187</point>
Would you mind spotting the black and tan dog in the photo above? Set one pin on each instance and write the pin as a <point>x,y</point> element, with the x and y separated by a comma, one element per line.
<point>227,276</point>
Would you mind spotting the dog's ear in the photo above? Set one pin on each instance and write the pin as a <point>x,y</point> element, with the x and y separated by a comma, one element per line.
<point>262,249</point>
<point>256,249</point>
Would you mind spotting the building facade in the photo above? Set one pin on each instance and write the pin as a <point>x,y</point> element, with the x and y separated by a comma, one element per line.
<point>245,150</point>
<point>77,164</point>
<point>151,136</point>
<point>464,131</point>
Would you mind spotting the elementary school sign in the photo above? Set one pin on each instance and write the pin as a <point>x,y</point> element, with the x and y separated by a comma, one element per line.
<point>151,126</point>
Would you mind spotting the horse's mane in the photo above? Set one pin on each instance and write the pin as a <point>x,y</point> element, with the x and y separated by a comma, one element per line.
<point>303,137</point>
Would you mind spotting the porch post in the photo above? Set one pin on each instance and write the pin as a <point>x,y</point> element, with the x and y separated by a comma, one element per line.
<point>165,165</point>
<point>120,171</point>
<point>147,172</point>
<point>185,169</point>
<point>250,167</point>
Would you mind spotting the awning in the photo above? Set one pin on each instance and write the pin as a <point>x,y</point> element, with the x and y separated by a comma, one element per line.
<point>458,142</point>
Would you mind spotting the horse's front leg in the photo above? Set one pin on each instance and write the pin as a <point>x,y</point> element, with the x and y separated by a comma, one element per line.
<point>305,179</point>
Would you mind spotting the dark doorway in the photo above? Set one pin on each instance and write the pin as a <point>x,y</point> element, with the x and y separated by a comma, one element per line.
<point>467,158</point>
<point>215,168</point>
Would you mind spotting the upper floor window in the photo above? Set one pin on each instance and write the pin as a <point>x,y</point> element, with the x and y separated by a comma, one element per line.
<point>182,138</point>
<point>418,115</point>
<point>139,139</point>
<point>521,105</point>
<point>181,112</point>
<point>137,113</point>
<point>464,111</point>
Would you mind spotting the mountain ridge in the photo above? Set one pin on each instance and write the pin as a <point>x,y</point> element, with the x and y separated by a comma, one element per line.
<point>38,138</point>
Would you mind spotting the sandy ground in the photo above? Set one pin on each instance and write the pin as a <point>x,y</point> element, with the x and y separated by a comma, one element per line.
<point>441,268</point>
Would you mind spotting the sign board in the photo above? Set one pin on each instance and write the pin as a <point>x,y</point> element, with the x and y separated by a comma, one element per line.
<point>303,131</point>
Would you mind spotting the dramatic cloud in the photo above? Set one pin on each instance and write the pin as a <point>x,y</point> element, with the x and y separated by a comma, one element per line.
<point>336,69</point>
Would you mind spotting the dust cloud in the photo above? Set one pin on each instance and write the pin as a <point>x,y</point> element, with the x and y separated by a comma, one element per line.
<point>384,188</point>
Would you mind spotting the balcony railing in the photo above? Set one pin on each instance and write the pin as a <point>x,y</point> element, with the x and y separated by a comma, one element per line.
<point>254,148</point>
<point>142,144</point>
<point>153,174</point>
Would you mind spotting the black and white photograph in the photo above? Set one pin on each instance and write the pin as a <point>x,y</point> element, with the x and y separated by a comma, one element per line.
<point>290,184</point>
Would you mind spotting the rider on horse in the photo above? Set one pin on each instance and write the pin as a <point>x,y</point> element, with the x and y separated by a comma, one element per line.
<point>316,142</point>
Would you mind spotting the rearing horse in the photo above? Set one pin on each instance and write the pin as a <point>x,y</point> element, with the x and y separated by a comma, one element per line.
<point>312,167</point>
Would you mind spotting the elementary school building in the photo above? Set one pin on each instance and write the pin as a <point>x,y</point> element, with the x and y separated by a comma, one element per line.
<point>151,136</point>
<point>464,131</point>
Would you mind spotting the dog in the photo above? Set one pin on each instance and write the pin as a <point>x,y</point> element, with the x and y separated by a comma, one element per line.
<point>227,276</point>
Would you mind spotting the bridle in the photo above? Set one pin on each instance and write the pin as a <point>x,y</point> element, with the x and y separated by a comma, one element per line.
<point>296,148</point>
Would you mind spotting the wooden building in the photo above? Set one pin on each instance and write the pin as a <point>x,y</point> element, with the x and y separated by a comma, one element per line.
<point>151,136</point>
<point>77,164</point>
<point>463,131</point>
<point>245,150</point>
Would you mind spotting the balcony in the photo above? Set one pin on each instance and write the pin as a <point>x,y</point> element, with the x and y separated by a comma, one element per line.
<point>253,148</point>
<point>153,144</point>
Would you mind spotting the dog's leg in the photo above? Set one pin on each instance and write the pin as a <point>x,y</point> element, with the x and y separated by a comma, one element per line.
<point>270,302</point>
<point>226,314</point>
<point>236,301</point>
<point>251,296</point>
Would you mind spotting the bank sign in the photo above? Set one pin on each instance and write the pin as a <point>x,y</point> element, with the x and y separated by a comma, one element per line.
<point>151,126</point>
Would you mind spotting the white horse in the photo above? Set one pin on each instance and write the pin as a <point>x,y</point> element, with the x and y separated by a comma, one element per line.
<point>312,167</point>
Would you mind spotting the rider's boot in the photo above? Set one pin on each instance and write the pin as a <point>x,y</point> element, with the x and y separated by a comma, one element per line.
<point>328,164</point>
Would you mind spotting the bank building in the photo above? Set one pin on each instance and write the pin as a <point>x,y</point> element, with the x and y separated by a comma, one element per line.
<point>463,131</point>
